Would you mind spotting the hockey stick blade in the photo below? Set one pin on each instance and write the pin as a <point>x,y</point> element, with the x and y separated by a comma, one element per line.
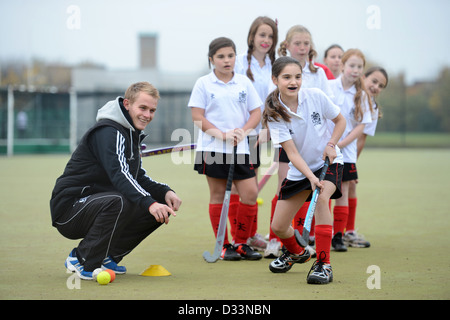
<point>223,216</point>
<point>303,240</point>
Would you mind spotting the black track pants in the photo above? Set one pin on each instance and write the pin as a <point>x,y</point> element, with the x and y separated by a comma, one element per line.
<point>108,224</point>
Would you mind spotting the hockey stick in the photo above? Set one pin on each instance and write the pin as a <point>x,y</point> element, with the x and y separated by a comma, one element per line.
<point>223,216</point>
<point>177,148</point>
<point>303,239</point>
<point>268,174</point>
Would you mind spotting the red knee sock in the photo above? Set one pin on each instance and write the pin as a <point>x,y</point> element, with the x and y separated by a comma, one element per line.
<point>323,242</point>
<point>272,235</point>
<point>214,215</point>
<point>300,216</point>
<point>255,224</point>
<point>351,214</point>
<point>232,211</point>
<point>244,221</point>
<point>340,218</point>
<point>313,223</point>
<point>292,246</point>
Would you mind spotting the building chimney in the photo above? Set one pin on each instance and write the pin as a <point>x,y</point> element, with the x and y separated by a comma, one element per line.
<point>148,43</point>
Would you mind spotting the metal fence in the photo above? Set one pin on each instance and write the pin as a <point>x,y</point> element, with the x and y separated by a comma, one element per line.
<point>46,122</point>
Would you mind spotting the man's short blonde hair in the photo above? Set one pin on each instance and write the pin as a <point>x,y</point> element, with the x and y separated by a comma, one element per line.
<point>133,91</point>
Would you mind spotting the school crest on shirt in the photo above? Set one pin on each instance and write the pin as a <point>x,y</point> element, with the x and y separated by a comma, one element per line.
<point>315,118</point>
<point>242,96</point>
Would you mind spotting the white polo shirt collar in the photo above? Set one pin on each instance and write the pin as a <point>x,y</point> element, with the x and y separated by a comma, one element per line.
<point>214,78</point>
<point>301,99</point>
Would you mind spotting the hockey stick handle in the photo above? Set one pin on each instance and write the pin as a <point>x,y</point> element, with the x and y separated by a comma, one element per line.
<point>231,170</point>
<point>177,148</point>
<point>268,174</point>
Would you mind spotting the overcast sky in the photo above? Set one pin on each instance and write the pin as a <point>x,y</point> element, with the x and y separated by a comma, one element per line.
<point>410,36</point>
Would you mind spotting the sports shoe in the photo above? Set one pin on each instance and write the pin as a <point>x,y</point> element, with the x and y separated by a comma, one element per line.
<point>257,242</point>
<point>72,264</point>
<point>272,249</point>
<point>320,273</point>
<point>286,260</point>
<point>229,253</point>
<point>109,263</point>
<point>355,240</point>
<point>312,251</point>
<point>247,253</point>
<point>337,243</point>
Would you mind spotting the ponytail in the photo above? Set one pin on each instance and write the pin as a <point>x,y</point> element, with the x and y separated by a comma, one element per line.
<point>274,110</point>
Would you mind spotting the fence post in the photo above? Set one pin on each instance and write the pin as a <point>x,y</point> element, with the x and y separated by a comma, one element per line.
<point>73,119</point>
<point>10,132</point>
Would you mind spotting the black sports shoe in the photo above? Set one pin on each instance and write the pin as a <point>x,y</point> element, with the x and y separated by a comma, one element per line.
<point>284,262</point>
<point>229,253</point>
<point>337,243</point>
<point>320,273</point>
<point>247,252</point>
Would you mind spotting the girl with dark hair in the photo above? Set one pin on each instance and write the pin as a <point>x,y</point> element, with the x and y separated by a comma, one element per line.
<point>297,120</point>
<point>226,108</point>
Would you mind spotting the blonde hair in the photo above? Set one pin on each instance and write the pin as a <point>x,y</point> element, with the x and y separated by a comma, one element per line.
<point>133,91</point>
<point>251,38</point>
<point>359,85</point>
<point>282,51</point>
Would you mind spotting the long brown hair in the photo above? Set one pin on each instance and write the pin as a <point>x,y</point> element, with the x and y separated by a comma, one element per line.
<point>359,85</point>
<point>282,51</point>
<point>273,109</point>
<point>251,37</point>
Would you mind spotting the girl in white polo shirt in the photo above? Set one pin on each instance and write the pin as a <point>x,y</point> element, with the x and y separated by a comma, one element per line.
<point>297,119</point>
<point>375,80</point>
<point>256,64</point>
<point>350,95</point>
<point>300,46</point>
<point>226,107</point>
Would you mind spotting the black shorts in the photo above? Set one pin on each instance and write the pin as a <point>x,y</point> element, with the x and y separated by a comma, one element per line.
<point>217,165</point>
<point>280,155</point>
<point>350,172</point>
<point>290,188</point>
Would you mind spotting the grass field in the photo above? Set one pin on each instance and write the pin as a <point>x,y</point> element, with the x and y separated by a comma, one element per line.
<point>402,210</point>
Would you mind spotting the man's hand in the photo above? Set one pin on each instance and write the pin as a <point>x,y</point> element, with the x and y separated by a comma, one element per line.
<point>161,212</point>
<point>172,200</point>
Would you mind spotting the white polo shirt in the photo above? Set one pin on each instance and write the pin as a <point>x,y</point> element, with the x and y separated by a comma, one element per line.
<point>370,128</point>
<point>227,106</point>
<point>308,129</point>
<point>344,99</point>
<point>262,76</point>
<point>316,80</point>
